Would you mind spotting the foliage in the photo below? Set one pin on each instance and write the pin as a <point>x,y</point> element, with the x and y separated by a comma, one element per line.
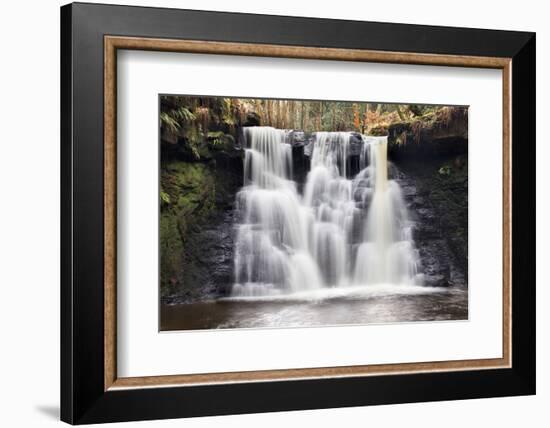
<point>199,124</point>
<point>230,111</point>
<point>174,118</point>
<point>444,170</point>
<point>171,124</point>
<point>216,138</point>
<point>196,124</point>
<point>184,114</point>
<point>165,197</point>
<point>187,196</point>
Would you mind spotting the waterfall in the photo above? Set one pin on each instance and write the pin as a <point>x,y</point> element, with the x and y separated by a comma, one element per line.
<point>387,253</point>
<point>340,232</point>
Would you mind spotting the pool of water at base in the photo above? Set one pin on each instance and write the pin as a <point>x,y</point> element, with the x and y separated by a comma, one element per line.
<point>365,305</point>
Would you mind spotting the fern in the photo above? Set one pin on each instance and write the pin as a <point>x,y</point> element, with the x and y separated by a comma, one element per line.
<point>184,114</point>
<point>218,138</point>
<point>195,151</point>
<point>165,197</point>
<point>228,116</point>
<point>215,134</point>
<point>171,124</point>
<point>175,118</point>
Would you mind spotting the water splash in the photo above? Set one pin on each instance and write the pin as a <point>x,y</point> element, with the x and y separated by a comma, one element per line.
<point>341,232</point>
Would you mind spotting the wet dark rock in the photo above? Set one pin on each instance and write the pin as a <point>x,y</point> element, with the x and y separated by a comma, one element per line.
<point>300,165</point>
<point>408,191</point>
<point>252,119</point>
<point>438,205</point>
<point>355,144</point>
<point>209,251</point>
<point>436,281</point>
<point>197,228</point>
<point>297,138</point>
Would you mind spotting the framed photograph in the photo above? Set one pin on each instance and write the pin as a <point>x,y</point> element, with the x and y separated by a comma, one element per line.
<point>266,213</point>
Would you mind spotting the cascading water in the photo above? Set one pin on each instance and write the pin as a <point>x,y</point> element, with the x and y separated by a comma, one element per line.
<point>387,253</point>
<point>341,232</point>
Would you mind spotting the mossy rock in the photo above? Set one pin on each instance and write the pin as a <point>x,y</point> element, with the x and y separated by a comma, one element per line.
<point>171,250</point>
<point>438,133</point>
<point>379,131</point>
<point>190,188</point>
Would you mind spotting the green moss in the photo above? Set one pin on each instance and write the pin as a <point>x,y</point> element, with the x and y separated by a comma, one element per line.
<point>190,189</point>
<point>171,250</point>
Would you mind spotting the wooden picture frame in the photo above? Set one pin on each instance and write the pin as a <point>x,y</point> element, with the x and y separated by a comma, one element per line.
<point>91,390</point>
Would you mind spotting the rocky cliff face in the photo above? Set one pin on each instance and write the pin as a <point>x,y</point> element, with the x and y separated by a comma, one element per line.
<point>196,237</point>
<point>432,154</point>
<point>436,193</point>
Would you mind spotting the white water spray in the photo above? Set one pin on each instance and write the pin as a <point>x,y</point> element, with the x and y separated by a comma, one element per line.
<point>339,233</point>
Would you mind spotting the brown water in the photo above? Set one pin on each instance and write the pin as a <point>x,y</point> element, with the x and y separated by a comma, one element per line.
<point>365,305</point>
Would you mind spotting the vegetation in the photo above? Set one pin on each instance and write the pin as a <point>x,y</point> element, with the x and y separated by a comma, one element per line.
<point>205,124</point>
<point>187,195</point>
<point>199,124</point>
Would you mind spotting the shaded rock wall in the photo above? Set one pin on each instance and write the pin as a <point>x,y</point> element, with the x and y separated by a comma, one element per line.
<point>431,153</point>
<point>196,235</point>
<point>436,193</point>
